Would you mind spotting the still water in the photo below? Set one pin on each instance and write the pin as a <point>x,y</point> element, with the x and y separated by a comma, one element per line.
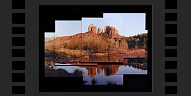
<point>101,74</point>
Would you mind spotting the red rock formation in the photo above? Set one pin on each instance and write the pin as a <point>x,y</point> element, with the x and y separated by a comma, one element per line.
<point>92,28</point>
<point>99,31</point>
<point>109,31</point>
<point>114,69</point>
<point>91,71</point>
<point>112,31</point>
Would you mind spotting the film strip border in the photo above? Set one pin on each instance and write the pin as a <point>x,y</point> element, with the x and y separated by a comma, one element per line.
<point>18,47</point>
<point>171,47</point>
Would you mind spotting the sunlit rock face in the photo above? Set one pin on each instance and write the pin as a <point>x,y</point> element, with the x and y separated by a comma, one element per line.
<point>92,28</point>
<point>112,31</point>
<point>99,31</point>
<point>109,30</point>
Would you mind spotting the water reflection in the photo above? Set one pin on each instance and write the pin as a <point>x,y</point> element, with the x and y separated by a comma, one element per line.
<point>99,73</point>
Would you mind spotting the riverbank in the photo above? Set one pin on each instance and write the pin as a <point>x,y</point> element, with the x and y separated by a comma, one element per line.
<point>113,56</point>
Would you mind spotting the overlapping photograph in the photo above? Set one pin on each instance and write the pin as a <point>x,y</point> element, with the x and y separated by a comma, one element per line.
<point>101,50</point>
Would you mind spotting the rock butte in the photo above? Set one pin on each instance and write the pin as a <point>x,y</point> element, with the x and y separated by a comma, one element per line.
<point>110,30</point>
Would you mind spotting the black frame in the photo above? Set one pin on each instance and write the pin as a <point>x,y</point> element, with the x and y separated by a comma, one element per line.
<point>47,16</point>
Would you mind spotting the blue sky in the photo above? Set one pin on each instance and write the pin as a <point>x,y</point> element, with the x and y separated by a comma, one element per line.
<point>128,24</point>
<point>86,21</point>
<point>66,28</point>
<point>49,34</point>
